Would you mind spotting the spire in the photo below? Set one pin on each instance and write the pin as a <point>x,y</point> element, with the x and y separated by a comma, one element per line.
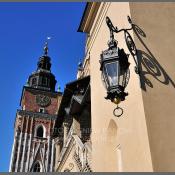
<point>80,64</point>
<point>46,49</point>
<point>42,78</point>
<point>44,60</point>
<point>59,88</point>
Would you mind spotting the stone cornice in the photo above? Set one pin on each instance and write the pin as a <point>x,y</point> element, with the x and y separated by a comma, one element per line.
<point>39,91</point>
<point>36,114</point>
<point>89,14</point>
<point>97,22</point>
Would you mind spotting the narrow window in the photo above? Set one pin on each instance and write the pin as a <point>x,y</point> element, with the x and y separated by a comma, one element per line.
<point>34,81</point>
<point>44,81</point>
<point>40,132</point>
<point>41,110</point>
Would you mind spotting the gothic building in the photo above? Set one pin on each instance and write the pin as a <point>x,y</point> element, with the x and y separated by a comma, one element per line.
<point>142,139</point>
<point>33,147</point>
<point>73,145</point>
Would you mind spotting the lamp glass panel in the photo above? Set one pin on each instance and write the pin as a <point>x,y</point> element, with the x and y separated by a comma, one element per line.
<point>122,78</point>
<point>104,80</point>
<point>112,73</point>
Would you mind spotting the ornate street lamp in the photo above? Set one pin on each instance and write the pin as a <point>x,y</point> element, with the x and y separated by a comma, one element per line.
<point>115,67</point>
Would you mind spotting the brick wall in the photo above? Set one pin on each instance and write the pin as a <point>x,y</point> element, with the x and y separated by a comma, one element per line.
<point>29,101</point>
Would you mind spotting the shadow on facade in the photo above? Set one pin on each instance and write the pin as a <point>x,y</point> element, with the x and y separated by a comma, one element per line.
<point>148,64</point>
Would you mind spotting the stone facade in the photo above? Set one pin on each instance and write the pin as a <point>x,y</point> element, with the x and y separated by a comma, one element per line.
<point>141,139</point>
<point>73,146</point>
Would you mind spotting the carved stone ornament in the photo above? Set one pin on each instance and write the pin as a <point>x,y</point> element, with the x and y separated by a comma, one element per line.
<point>43,100</point>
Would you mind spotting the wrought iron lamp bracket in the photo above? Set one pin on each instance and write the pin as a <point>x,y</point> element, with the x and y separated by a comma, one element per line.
<point>128,39</point>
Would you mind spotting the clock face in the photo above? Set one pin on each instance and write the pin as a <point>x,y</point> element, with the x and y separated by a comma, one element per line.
<point>43,100</point>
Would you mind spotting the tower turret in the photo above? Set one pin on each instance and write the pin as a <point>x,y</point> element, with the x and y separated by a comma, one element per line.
<point>42,78</point>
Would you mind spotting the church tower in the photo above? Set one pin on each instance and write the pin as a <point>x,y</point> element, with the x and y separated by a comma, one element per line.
<point>33,147</point>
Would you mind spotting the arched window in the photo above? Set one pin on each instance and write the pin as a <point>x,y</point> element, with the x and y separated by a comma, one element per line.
<point>111,147</point>
<point>34,81</point>
<point>44,80</point>
<point>37,167</point>
<point>40,131</point>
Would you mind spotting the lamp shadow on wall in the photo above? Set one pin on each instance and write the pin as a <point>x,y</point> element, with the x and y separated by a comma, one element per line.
<point>148,64</point>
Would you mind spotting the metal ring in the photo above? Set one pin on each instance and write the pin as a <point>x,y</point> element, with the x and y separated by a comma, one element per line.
<point>118,108</point>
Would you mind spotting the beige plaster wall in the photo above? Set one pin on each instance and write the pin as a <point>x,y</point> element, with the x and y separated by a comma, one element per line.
<point>69,161</point>
<point>157,20</point>
<point>118,144</point>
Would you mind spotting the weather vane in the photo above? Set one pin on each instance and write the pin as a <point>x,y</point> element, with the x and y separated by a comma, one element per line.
<point>46,49</point>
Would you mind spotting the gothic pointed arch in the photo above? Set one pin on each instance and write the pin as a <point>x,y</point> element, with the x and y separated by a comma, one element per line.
<point>40,131</point>
<point>111,142</point>
<point>112,131</point>
<point>37,167</point>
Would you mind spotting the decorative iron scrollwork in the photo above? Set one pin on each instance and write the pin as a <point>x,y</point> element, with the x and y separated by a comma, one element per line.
<point>128,39</point>
<point>110,25</point>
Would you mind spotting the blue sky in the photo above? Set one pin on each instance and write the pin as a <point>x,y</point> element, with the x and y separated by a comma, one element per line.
<point>23,30</point>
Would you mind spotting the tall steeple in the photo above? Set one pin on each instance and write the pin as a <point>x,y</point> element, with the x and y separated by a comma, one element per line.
<point>42,78</point>
<point>33,147</point>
